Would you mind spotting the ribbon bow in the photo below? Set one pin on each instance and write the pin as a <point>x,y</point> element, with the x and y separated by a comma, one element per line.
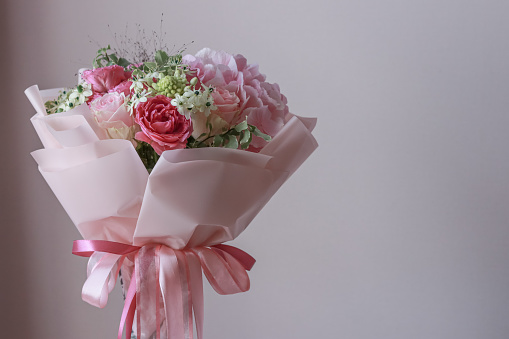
<point>164,281</point>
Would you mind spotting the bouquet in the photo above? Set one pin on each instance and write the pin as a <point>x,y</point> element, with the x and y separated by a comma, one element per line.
<point>158,163</point>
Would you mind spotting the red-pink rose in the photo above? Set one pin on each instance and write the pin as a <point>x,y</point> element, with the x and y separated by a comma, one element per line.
<point>105,78</point>
<point>162,126</point>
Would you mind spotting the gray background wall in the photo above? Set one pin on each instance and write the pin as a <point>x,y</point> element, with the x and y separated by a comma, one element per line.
<point>397,227</point>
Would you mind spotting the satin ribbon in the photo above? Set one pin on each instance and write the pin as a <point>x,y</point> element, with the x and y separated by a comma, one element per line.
<point>165,281</point>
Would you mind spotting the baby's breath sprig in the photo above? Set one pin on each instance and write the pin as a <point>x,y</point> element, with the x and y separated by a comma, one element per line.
<point>136,98</point>
<point>80,94</point>
<point>194,100</point>
<point>141,88</point>
<point>69,98</point>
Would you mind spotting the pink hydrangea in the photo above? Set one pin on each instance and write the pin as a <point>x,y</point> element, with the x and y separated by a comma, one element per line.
<point>261,102</point>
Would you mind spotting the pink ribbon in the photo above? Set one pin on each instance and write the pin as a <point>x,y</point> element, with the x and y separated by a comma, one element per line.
<point>164,281</point>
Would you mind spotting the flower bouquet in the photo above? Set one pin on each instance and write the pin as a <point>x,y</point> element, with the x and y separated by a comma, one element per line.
<point>158,163</point>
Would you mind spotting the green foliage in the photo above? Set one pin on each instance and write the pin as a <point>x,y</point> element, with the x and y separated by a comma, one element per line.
<point>56,106</point>
<point>161,58</point>
<point>147,154</point>
<point>51,106</point>
<point>164,63</point>
<point>169,65</point>
<point>239,135</point>
<point>103,59</point>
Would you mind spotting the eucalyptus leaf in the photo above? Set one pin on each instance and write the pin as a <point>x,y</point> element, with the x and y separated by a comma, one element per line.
<point>260,134</point>
<point>233,131</point>
<point>232,142</point>
<point>246,139</point>
<point>242,126</point>
<point>218,141</point>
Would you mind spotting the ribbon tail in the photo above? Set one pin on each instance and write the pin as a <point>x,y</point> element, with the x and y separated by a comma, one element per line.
<point>129,309</point>
<point>170,281</point>
<point>187,299</point>
<point>196,282</point>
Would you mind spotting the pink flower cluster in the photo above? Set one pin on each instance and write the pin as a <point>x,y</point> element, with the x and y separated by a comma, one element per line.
<point>241,91</point>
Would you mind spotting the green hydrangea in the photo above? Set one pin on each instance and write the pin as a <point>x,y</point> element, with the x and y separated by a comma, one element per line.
<point>170,85</point>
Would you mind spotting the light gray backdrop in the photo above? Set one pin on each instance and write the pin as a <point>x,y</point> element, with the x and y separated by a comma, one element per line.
<point>396,228</point>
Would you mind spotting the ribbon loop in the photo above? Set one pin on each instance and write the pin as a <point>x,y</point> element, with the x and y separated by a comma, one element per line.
<point>165,281</point>
<point>85,248</point>
<point>106,258</point>
<point>104,274</point>
<point>224,273</point>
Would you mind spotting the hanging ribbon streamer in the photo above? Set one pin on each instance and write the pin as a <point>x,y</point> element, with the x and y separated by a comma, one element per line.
<point>164,281</point>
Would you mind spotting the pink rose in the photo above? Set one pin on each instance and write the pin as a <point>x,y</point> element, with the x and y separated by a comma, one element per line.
<point>227,103</point>
<point>105,78</point>
<point>123,87</point>
<point>200,122</point>
<point>228,108</point>
<point>162,126</point>
<point>111,114</point>
<point>261,102</point>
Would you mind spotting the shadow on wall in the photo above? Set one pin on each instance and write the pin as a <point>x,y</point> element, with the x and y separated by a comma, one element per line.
<point>14,298</point>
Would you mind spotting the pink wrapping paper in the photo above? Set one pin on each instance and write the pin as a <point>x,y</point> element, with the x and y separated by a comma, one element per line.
<point>192,198</point>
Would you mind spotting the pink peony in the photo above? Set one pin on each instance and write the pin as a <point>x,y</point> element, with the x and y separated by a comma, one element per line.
<point>261,102</point>
<point>105,78</point>
<point>162,126</point>
<point>111,114</point>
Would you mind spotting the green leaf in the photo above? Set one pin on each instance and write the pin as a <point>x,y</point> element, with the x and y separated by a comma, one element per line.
<point>190,142</point>
<point>242,126</point>
<point>161,58</point>
<point>218,141</point>
<point>104,49</point>
<point>246,139</point>
<point>232,142</point>
<point>150,66</point>
<point>233,131</point>
<point>123,62</point>
<point>259,133</point>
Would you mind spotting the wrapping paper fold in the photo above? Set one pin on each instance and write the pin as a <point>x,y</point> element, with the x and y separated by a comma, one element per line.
<point>193,198</point>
